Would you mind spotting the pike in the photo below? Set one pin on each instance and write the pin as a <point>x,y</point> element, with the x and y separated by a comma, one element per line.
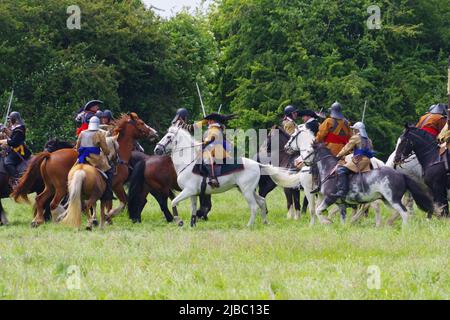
<point>9,107</point>
<point>220,108</point>
<point>448,93</point>
<point>201,100</point>
<point>364,112</point>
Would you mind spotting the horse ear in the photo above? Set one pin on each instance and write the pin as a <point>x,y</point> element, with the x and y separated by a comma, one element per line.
<point>134,116</point>
<point>407,126</point>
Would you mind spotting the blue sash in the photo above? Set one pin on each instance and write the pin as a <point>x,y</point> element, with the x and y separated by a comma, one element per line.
<point>84,152</point>
<point>364,152</point>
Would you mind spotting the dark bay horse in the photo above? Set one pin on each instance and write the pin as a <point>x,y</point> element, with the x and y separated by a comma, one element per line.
<point>435,174</point>
<point>38,184</point>
<point>156,175</point>
<point>266,184</point>
<point>384,183</point>
<point>54,168</point>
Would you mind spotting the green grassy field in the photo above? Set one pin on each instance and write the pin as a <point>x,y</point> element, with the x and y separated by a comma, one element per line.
<point>223,259</point>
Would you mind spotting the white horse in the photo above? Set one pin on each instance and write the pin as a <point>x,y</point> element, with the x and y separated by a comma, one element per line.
<point>302,141</point>
<point>186,152</point>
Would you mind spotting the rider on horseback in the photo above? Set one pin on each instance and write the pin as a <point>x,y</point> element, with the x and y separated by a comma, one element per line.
<point>434,120</point>
<point>106,121</point>
<point>18,151</point>
<point>290,115</point>
<point>90,144</point>
<point>181,119</point>
<point>362,149</point>
<point>309,118</point>
<point>215,146</point>
<point>85,114</point>
<point>335,130</point>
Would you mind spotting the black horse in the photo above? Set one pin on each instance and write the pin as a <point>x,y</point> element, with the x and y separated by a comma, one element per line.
<point>435,169</point>
<point>5,190</point>
<point>266,184</point>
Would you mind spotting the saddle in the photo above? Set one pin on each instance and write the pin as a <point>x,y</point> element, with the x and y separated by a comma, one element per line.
<point>200,169</point>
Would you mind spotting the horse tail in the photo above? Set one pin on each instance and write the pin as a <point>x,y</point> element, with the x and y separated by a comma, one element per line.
<point>137,181</point>
<point>29,178</point>
<point>420,196</point>
<point>73,213</point>
<point>281,176</point>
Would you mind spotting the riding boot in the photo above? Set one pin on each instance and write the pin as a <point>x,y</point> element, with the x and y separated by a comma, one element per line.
<point>342,183</point>
<point>108,194</point>
<point>315,181</point>
<point>212,177</point>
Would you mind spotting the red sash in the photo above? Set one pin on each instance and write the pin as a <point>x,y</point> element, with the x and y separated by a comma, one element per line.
<point>431,130</point>
<point>83,127</point>
<point>334,138</point>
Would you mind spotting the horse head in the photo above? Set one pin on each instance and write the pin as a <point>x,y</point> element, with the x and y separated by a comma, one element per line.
<point>405,146</point>
<point>166,144</point>
<point>132,126</point>
<point>301,141</point>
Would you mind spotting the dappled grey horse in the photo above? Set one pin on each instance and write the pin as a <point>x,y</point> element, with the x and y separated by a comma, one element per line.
<point>384,183</point>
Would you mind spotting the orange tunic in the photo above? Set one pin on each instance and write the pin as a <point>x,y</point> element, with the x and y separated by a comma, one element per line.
<point>335,133</point>
<point>432,123</point>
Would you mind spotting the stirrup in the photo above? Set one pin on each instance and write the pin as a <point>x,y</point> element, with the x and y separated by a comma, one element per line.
<point>214,183</point>
<point>315,190</point>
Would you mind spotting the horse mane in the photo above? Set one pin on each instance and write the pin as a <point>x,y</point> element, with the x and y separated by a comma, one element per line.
<point>120,123</point>
<point>423,134</point>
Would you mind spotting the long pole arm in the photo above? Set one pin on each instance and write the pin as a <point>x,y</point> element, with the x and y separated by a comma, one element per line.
<point>201,100</point>
<point>9,107</point>
<point>448,93</point>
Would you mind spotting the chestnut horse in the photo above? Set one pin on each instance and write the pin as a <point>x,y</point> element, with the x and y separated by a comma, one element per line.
<point>55,167</point>
<point>156,175</point>
<point>85,183</point>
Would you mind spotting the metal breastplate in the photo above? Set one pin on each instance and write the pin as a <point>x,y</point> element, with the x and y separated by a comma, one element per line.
<point>87,139</point>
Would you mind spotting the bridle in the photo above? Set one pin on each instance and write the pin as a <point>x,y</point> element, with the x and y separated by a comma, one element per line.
<point>411,145</point>
<point>294,138</point>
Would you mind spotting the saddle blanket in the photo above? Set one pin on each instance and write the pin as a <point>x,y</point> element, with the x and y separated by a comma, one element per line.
<point>226,169</point>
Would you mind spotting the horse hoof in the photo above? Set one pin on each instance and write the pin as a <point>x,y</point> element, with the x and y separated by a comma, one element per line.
<point>89,228</point>
<point>95,223</point>
<point>35,224</point>
<point>326,221</point>
<point>193,221</point>
<point>180,223</point>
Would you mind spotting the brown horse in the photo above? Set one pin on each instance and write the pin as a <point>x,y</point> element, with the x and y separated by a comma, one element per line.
<point>85,183</point>
<point>55,167</point>
<point>156,175</point>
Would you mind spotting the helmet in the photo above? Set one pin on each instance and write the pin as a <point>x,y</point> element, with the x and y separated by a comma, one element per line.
<point>361,128</point>
<point>289,110</point>
<point>107,114</point>
<point>92,103</point>
<point>182,113</point>
<point>336,111</point>
<point>94,123</point>
<point>99,114</point>
<point>439,108</point>
<point>15,117</point>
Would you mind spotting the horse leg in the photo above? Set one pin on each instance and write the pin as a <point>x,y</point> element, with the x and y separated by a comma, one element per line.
<point>3,219</point>
<point>253,204</point>
<point>377,205</point>
<point>305,204</point>
<point>55,206</point>
<point>288,194</point>
<point>103,208</point>
<point>262,205</point>
<point>176,217</point>
<point>120,193</point>
<point>162,201</point>
<point>409,203</point>
<point>343,212</point>
<point>326,202</point>
<point>41,199</point>
<point>312,206</point>
<point>296,198</point>
<point>358,213</point>
<point>193,210</point>
<point>186,193</point>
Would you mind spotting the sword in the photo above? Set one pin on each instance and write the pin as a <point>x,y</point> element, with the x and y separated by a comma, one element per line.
<point>201,100</point>
<point>9,107</point>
